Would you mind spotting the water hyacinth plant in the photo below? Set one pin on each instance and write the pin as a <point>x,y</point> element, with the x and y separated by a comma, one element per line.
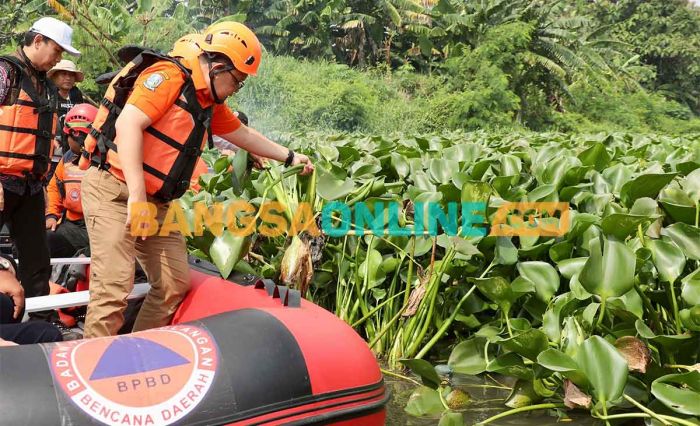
<point>603,318</point>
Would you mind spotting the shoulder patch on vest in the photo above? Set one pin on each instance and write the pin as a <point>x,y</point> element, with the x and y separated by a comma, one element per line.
<point>154,80</point>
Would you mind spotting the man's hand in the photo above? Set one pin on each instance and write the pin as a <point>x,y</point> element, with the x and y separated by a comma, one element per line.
<point>303,159</point>
<point>51,223</point>
<point>138,210</point>
<point>7,343</point>
<point>258,161</point>
<point>261,148</point>
<point>11,287</point>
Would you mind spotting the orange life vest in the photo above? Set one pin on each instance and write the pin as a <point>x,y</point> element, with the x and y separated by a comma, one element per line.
<point>200,169</point>
<point>171,146</point>
<point>69,188</point>
<point>26,129</point>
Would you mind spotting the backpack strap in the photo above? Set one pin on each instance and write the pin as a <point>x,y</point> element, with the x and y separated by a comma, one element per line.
<point>176,183</point>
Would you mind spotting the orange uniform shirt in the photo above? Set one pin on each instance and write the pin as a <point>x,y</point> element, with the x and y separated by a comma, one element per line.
<point>158,86</point>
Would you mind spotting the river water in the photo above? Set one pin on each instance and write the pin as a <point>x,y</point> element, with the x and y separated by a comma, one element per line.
<point>486,402</point>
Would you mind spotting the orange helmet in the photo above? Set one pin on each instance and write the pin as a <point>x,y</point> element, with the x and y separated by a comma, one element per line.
<point>235,41</point>
<point>187,46</point>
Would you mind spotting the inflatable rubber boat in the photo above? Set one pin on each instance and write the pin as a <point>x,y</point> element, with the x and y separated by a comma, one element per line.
<point>254,354</point>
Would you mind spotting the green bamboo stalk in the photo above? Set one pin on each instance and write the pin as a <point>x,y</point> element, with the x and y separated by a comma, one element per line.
<point>645,416</point>
<point>645,409</point>
<point>681,367</point>
<point>409,275</point>
<point>437,276</point>
<point>520,410</point>
<point>676,313</point>
<point>375,309</point>
<point>415,323</point>
<point>399,376</point>
<point>340,293</point>
<point>510,330</point>
<point>445,325</point>
<point>408,329</point>
<point>385,329</point>
<point>392,308</point>
<point>601,314</point>
<point>650,308</point>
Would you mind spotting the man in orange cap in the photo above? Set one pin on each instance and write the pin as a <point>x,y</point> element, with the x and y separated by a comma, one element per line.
<point>145,143</point>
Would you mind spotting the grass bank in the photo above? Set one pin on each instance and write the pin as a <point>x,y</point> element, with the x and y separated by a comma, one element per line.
<point>291,95</point>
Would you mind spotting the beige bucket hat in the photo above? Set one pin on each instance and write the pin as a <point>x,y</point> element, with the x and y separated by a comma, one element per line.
<point>67,65</point>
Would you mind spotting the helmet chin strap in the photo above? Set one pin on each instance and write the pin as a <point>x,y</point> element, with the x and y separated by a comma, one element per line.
<point>213,73</point>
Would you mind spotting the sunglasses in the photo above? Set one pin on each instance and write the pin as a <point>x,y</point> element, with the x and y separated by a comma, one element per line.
<point>239,83</point>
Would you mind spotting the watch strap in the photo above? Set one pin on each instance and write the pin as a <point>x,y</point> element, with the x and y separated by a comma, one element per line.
<point>290,158</point>
<point>8,264</point>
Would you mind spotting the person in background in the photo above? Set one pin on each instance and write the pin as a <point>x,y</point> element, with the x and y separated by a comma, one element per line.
<point>64,214</point>
<point>241,116</point>
<point>12,332</point>
<point>225,148</point>
<point>64,76</point>
<point>27,124</point>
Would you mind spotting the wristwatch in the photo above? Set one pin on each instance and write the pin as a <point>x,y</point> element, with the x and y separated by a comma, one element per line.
<point>6,265</point>
<point>290,159</point>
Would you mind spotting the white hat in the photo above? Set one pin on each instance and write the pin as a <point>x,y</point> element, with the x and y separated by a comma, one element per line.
<point>66,65</point>
<point>57,31</point>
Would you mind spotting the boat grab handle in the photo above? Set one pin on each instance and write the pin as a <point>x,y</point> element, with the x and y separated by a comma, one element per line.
<point>289,297</point>
<point>75,298</point>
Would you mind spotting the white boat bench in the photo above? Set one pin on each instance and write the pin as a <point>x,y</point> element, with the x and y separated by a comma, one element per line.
<point>77,298</point>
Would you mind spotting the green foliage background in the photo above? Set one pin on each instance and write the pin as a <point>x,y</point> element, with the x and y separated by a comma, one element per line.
<point>472,87</point>
<point>405,65</point>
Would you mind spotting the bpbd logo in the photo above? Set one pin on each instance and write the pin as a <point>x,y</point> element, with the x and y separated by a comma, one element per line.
<point>154,377</point>
<point>75,195</point>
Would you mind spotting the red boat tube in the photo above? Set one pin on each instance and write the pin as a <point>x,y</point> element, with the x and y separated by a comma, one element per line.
<point>234,355</point>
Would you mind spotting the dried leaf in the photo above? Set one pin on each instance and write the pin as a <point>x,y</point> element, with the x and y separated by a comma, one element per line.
<point>414,300</point>
<point>636,353</point>
<point>297,269</point>
<point>409,208</point>
<point>316,245</point>
<point>417,294</point>
<point>574,397</point>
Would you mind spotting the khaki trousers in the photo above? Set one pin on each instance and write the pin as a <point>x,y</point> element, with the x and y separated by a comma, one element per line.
<point>113,251</point>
